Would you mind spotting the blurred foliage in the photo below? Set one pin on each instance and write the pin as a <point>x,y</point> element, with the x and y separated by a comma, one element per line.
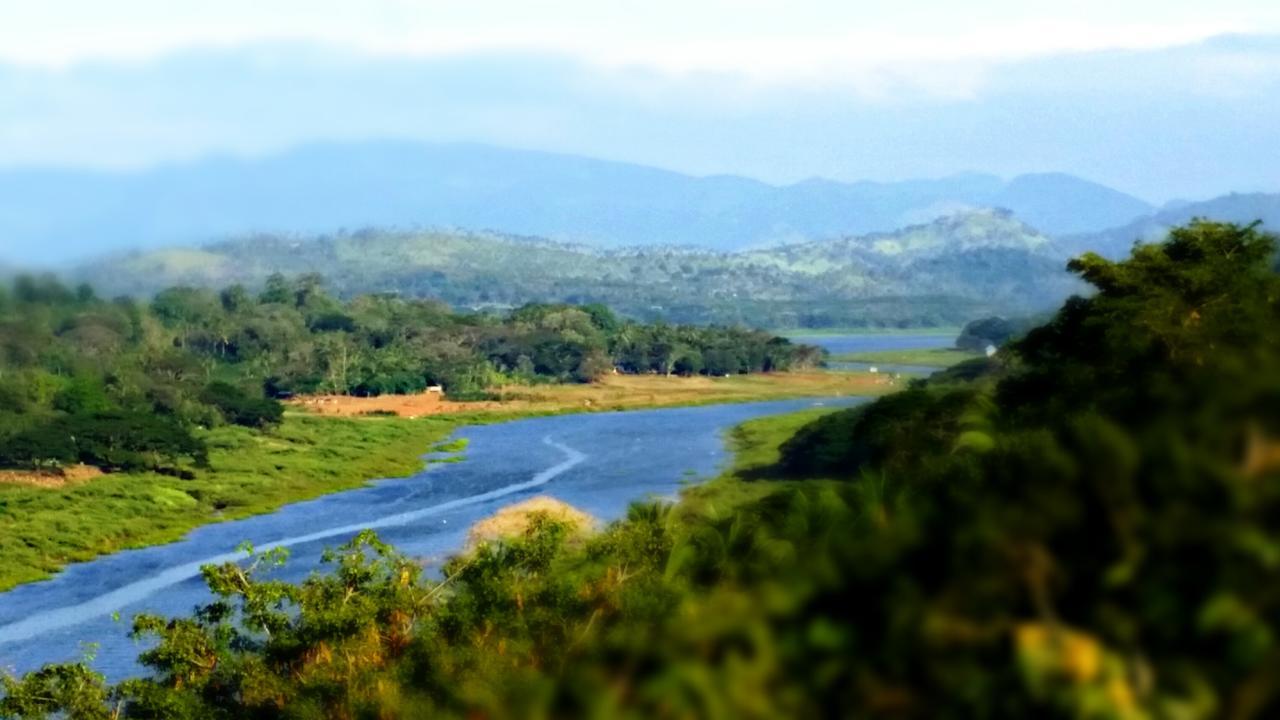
<point>1085,526</point>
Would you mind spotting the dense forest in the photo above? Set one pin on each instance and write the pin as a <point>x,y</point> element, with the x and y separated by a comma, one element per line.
<point>121,384</point>
<point>1082,526</point>
<point>942,273</point>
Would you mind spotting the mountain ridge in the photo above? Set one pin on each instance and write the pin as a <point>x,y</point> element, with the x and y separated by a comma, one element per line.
<point>1240,208</point>
<point>54,215</point>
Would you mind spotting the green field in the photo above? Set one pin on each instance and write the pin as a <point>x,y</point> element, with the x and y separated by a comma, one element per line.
<point>931,357</point>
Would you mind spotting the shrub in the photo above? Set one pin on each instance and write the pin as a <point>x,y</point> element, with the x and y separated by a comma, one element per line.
<point>239,408</point>
<point>111,441</point>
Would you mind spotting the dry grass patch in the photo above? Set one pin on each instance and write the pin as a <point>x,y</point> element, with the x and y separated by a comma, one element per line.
<point>612,392</point>
<point>514,520</point>
<point>51,479</point>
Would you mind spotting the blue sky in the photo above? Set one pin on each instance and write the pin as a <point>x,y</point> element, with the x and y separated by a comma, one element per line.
<point>1147,96</point>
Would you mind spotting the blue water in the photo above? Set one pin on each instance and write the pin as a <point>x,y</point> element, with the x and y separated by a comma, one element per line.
<point>840,344</point>
<point>597,462</point>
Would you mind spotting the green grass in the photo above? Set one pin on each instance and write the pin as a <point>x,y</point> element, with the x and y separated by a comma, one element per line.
<point>756,449</point>
<point>929,357</point>
<point>944,330</point>
<point>42,530</point>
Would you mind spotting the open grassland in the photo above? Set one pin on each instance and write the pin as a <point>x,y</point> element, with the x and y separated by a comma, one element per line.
<point>613,392</point>
<point>929,357</point>
<point>45,526</point>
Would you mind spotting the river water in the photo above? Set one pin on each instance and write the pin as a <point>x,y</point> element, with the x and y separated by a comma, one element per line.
<point>598,462</point>
<point>841,344</point>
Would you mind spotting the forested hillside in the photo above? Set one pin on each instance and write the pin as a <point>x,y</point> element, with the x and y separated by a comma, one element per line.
<point>1081,527</point>
<point>942,273</point>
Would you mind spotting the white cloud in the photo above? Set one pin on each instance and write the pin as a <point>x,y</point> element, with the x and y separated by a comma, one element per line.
<point>768,40</point>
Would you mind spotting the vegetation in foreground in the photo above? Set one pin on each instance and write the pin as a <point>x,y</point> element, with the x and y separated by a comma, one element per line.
<point>1084,527</point>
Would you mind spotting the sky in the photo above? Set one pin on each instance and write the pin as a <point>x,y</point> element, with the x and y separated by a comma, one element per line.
<point>1163,99</point>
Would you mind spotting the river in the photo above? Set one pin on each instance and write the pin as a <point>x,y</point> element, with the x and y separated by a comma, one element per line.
<point>598,462</point>
<point>842,344</point>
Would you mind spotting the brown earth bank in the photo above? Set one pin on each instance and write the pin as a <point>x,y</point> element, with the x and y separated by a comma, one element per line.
<point>50,478</point>
<point>613,392</point>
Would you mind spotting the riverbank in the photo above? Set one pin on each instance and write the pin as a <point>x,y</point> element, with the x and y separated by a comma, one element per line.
<point>949,331</point>
<point>926,357</point>
<point>755,449</point>
<point>43,529</point>
<point>613,392</point>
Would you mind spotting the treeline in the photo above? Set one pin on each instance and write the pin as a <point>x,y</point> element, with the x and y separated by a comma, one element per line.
<point>121,383</point>
<point>1083,526</point>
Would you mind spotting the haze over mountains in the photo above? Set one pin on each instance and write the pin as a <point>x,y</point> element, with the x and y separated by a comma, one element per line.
<point>480,226</point>
<point>1237,207</point>
<point>943,272</point>
<point>51,215</point>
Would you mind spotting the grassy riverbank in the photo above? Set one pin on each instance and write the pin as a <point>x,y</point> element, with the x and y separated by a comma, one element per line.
<point>612,392</point>
<point>944,330</point>
<point>928,357</point>
<point>755,446</point>
<point>44,528</point>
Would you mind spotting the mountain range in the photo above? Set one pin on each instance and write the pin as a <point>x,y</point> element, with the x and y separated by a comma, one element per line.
<point>51,215</point>
<point>411,218</point>
<point>1237,207</point>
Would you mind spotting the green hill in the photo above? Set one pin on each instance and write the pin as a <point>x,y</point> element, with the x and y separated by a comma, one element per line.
<point>943,272</point>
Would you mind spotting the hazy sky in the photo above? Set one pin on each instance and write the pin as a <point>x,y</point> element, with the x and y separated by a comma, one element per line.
<point>1124,91</point>
<point>764,38</point>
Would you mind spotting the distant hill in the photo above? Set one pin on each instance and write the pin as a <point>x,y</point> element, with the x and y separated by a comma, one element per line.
<point>1236,207</point>
<point>943,272</point>
<point>1062,204</point>
<point>49,215</point>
